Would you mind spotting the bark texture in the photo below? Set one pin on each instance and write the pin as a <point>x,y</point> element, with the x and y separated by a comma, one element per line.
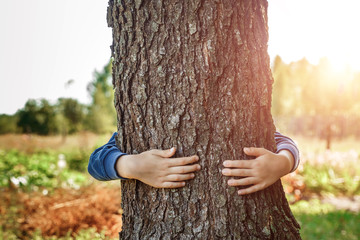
<point>195,74</point>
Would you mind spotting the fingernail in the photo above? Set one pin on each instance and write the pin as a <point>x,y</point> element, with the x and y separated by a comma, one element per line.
<point>226,163</point>
<point>230,182</point>
<point>172,149</point>
<point>192,175</point>
<point>240,192</point>
<point>225,171</point>
<point>246,149</point>
<point>198,167</point>
<point>183,183</point>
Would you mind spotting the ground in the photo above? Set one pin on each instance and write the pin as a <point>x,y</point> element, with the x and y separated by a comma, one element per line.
<point>40,198</point>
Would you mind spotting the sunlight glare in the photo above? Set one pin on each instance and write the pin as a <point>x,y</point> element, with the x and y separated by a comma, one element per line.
<point>316,29</point>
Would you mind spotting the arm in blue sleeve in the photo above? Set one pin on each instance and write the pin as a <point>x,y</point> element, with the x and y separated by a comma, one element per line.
<point>286,143</point>
<point>103,160</point>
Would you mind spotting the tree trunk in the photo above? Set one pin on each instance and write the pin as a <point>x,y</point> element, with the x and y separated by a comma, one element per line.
<point>196,75</point>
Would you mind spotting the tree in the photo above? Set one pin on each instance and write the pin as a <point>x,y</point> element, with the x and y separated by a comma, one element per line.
<point>8,124</point>
<point>279,106</point>
<point>37,116</point>
<point>73,114</point>
<point>196,75</point>
<point>101,116</point>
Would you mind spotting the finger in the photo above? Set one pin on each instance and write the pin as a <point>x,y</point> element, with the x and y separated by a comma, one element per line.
<point>237,172</point>
<point>242,181</point>
<point>184,169</point>
<point>173,184</point>
<point>179,177</point>
<point>183,161</point>
<point>252,151</point>
<point>238,163</point>
<point>164,153</point>
<point>252,189</point>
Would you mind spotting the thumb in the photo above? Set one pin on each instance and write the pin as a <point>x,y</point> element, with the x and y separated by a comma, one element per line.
<point>165,153</point>
<point>252,151</point>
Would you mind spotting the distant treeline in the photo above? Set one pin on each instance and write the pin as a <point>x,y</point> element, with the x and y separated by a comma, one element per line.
<point>67,115</point>
<point>316,100</point>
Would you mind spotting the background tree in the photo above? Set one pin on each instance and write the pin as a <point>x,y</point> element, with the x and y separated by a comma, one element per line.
<point>37,117</point>
<point>73,115</point>
<point>101,115</point>
<point>280,99</point>
<point>8,124</point>
<point>196,75</point>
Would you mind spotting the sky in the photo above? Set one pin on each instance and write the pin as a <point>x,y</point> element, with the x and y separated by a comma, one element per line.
<point>44,44</point>
<point>315,29</point>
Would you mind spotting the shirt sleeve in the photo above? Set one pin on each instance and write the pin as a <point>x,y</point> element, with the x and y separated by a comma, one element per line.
<point>286,143</point>
<point>103,160</point>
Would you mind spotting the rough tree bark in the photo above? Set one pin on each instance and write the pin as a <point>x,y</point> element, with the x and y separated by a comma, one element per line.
<point>195,74</point>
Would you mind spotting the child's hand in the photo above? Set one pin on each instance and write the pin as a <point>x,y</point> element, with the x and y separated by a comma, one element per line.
<point>157,169</point>
<point>261,172</point>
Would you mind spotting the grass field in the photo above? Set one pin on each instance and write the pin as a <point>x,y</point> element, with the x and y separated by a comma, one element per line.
<point>36,192</point>
<point>33,143</point>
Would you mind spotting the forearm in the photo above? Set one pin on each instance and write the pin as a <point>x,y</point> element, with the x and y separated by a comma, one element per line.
<point>288,162</point>
<point>124,166</point>
<point>286,143</point>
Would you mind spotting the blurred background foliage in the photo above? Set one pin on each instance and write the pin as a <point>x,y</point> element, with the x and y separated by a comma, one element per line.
<point>316,100</point>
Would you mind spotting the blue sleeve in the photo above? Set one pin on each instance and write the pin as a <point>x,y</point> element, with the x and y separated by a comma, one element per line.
<point>103,160</point>
<point>286,143</point>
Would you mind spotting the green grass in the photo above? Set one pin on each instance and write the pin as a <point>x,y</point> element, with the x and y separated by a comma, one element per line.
<point>321,221</point>
<point>42,170</point>
<point>323,179</point>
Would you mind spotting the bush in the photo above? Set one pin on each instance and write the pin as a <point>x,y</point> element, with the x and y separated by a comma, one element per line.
<point>78,160</point>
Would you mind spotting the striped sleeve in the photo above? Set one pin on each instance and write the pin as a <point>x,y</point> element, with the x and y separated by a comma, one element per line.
<point>286,143</point>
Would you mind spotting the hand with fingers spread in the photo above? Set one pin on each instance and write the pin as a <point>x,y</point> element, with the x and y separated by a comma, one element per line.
<point>259,173</point>
<point>156,168</point>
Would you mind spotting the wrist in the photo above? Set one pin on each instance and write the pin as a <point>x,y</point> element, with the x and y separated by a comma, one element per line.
<point>124,166</point>
<point>288,161</point>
